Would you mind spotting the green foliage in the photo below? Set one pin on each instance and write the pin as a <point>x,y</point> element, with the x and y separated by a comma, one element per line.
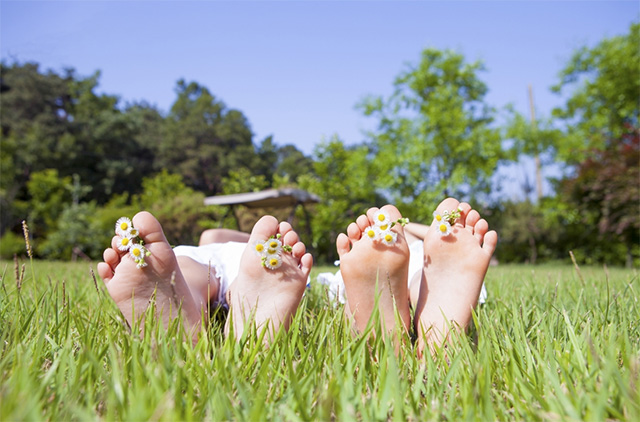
<point>602,142</point>
<point>243,180</point>
<point>158,188</point>
<point>49,195</point>
<point>434,137</point>
<point>178,207</point>
<point>74,235</point>
<point>606,193</point>
<point>549,344</point>
<point>59,122</point>
<point>12,244</point>
<point>604,89</point>
<point>205,140</point>
<point>345,182</point>
<point>529,139</point>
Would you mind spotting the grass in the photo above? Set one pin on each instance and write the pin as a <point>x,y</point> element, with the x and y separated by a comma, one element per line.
<point>551,343</point>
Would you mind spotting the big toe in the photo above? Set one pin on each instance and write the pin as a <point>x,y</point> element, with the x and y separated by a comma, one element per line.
<point>266,227</point>
<point>149,227</point>
<point>449,204</point>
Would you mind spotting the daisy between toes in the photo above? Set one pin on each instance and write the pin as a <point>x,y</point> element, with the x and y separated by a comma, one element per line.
<point>127,237</point>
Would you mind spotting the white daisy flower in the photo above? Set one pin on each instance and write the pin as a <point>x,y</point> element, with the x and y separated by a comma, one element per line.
<point>123,226</point>
<point>381,218</point>
<point>125,241</point>
<point>138,252</point>
<point>259,248</point>
<point>389,238</point>
<point>141,264</point>
<point>273,246</point>
<point>272,261</point>
<point>444,228</point>
<point>134,232</point>
<point>437,216</point>
<point>371,233</point>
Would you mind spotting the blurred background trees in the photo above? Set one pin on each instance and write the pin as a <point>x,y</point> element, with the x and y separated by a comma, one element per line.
<point>73,160</point>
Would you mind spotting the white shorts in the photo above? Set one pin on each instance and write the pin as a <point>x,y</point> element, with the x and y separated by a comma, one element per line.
<point>224,258</point>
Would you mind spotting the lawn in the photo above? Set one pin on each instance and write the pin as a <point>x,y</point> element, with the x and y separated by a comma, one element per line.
<point>551,343</point>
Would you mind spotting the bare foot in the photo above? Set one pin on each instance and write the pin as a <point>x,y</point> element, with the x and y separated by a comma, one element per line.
<point>132,288</point>
<point>364,263</point>
<point>455,266</point>
<point>269,296</point>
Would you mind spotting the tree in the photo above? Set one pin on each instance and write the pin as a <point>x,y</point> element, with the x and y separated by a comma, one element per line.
<point>35,122</point>
<point>105,153</point>
<point>343,181</point>
<point>606,191</point>
<point>204,139</point>
<point>601,140</point>
<point>286,162</point>
<point>534,139</point>
<point>58,121</point>
<point>604,90</point>
<point>434,137</point>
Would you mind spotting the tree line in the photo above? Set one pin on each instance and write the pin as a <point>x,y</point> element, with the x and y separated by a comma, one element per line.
<point>73,160</point>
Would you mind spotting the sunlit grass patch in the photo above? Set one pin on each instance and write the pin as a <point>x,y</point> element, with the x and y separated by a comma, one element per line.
<point>548,344</point>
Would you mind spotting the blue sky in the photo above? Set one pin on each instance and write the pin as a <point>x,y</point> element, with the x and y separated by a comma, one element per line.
<point>296,69</point>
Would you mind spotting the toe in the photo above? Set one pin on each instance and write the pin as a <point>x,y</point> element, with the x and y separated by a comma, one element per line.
<point>266,227</point>
<point>490,242</point>
<point>290,237</point>
<point>306,262</point>
<point>149,227</point>
<point>473,217</point>
<point>464,208</point>
<point>284,228</point>
<point>394,213</point>
<point>105,272</point>
<point>298,249</point>
<point>354,232</point>
<point>363,222</point>
<point>448,204</point>
<point>111,257</point>
<point>480,229</point>
<point>342,244</point>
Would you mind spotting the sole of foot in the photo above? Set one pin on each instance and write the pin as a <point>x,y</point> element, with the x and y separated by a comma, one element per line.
<point>372,269</point>
<point>133,288</point>
<point>454,270</point>
<point>268,297</point>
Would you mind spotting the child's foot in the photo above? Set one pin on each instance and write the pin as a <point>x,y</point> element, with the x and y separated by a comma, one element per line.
<point>455,266</point>
<point>269,296</point>
<point>132,288</point>
<point>365,263</point>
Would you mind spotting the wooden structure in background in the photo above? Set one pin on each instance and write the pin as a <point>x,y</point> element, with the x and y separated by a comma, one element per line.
<point>270,198</point>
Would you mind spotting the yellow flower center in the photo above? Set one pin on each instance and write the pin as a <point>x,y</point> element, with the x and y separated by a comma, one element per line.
<point>259,247</point>
<point>371,233</point>
<point>384,227</point>
<point>136,252</point>
<point>273,262</point>
<point>273,244</point>
<point>388,237</point>
<point>443,228</point>
<point>125,241</point>
<point>134,232</point>
<point>381,217</point>
<point>438,217</point>
<point>124,226</point>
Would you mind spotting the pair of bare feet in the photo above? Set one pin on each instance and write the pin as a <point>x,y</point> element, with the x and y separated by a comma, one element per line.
<point>443,295</point>
<point>268,297</point>
<point>446,291</point>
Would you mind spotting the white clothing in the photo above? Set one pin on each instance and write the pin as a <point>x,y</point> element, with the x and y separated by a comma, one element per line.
<point>224,258</point>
